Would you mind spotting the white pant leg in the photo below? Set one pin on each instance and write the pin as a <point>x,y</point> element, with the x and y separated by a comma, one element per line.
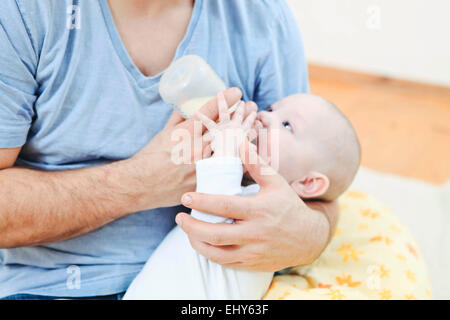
<point>172,272</point>
<point>176,271</point>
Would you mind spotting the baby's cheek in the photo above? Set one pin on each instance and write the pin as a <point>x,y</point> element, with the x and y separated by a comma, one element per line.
<point>278,142</point>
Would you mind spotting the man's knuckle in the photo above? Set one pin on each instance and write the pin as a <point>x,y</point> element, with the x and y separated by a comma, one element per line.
<point>215,238</point>
<point>264,214</point>
<point>255,236</point>
<point>217,259</point>
<point>226,205</point>
<point>194,244</point>
<point>251,256</point>
<point>249,209</point>
<point>186,226</point>
<point>256,210</point>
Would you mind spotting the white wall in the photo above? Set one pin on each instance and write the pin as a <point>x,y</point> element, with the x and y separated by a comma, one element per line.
<point>408,39</point>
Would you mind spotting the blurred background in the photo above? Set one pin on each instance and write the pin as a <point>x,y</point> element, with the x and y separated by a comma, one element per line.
<point>386,65</point>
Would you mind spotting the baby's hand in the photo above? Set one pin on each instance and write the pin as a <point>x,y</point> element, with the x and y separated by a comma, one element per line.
<point>228,133</point>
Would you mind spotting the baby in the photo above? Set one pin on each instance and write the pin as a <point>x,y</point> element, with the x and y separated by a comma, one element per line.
<point>319,149</point>
<point>316,151</point>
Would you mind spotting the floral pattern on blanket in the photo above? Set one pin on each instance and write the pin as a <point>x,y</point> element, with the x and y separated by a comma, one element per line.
<point>371,256</point>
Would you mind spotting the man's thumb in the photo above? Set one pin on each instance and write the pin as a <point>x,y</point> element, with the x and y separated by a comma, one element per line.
<point>175,118</point>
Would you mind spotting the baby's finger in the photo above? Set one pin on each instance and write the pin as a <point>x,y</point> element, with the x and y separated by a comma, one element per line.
<point>257,125</point>
<point>207,122</point>
<point>239,113</point>
<point>207,137</point>
<point>250,106</point>
<point>223,107</point>
<point>207,151</point>
<point>252,135</point>
<point>248,123</point>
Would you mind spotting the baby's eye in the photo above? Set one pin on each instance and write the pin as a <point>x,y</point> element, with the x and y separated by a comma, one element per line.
<point>269,109</point>
<point>287,125</point>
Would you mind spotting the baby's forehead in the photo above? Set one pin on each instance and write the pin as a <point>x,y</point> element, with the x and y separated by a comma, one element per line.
<point>315,116</point>
<point>308,107</point>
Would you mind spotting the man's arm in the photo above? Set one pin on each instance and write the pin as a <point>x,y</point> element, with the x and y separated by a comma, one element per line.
<point>8,157</point>
<point>46,206</point>
<point>38,206</point>
<point>330,210</point>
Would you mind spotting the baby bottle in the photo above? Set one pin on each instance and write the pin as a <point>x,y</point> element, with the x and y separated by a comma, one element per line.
<point>188,83</point>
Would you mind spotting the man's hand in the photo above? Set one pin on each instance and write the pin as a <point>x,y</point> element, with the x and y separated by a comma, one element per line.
<point>273,230</point>
<point>89,198</point>
<point>162,181</point>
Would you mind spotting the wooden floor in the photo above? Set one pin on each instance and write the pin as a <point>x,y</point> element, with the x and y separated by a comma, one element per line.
<point>404,127</point>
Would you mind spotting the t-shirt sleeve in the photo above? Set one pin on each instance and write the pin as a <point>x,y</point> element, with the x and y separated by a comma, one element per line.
<point>282,70</point>
<point>18,86</point>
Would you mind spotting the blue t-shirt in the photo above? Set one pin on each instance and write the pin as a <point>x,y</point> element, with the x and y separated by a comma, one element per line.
<point>71,96</point>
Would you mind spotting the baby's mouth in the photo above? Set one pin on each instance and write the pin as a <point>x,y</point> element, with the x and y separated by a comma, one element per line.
<point>265,121</point>
<point>260,117</point>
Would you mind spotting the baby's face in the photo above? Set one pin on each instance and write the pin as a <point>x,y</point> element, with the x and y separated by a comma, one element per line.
<point>298,121</point>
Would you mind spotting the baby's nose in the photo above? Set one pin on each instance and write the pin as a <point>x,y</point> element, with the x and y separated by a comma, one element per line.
<point>266,118</point>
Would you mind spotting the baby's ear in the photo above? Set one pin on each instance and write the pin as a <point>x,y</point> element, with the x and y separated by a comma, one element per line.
<point>313,185</point>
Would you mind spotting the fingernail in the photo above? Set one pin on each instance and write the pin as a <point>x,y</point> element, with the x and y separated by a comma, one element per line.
<point>178,220</point>
<point>186,200</point>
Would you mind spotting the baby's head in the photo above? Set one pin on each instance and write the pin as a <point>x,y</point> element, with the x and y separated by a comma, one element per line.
<point>319,151</point>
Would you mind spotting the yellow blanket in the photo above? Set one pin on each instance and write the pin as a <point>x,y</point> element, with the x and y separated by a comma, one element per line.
<point>371,256</point>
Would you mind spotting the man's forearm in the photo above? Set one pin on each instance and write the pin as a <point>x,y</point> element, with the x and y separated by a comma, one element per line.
<point>330,210</point>
<point>39,206</point>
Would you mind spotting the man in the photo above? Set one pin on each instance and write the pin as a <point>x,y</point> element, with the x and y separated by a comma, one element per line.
<point>88,188</point>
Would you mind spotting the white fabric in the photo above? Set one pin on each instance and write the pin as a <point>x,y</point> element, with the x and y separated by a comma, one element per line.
<point>425,210</point>
<point>177,271</point>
